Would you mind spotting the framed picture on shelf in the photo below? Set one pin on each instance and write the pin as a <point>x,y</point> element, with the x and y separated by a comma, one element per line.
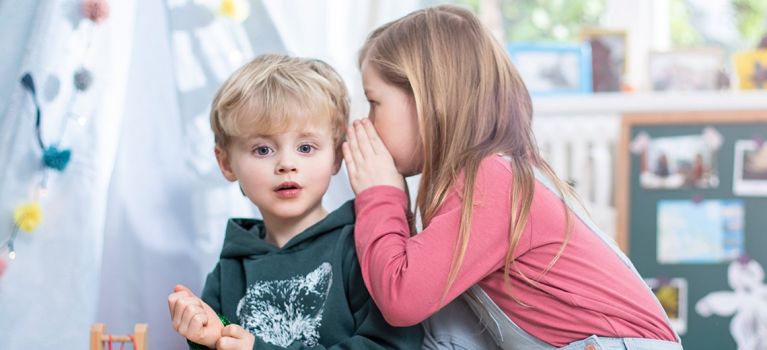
<point>608,58</point>
<point>750,168</point>
<point>553,69</point>
<point>688,70</point>
<point>751,69</point>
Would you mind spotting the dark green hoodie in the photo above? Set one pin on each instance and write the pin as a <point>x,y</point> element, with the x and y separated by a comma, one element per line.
<point>309,294</point>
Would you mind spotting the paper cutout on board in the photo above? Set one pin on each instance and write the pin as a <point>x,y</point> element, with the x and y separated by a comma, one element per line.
<point>640,142</point>
<point>747,303</point>
<point>712,138</point>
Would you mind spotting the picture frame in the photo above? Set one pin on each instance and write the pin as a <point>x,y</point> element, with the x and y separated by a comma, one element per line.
<point>553,69</point>
<point>679,161</point>
<point>627,175</point>
<point>697,232</point>
<point>672,295</point>
<point>609,49</point>
<point>750,168</point>
<point>687,70</point>
<point>751,69</point>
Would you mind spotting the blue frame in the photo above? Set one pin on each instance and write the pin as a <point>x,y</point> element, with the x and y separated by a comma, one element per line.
<point>583,51</point>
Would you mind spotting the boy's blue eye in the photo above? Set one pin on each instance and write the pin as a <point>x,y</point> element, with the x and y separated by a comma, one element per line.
<point>305,148</point>
<point>263,150</point>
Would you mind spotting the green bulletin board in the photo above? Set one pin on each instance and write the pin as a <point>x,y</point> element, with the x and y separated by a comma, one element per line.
<point>691,199</point>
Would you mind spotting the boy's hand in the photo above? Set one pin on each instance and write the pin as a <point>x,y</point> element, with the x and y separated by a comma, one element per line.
<point>234,337</point>
<point>368,161</point>
<point>193,318</point>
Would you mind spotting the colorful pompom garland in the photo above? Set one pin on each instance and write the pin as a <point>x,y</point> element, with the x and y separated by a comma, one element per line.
<point>28,216</point>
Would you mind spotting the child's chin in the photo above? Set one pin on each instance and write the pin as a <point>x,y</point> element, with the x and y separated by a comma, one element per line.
<point>407,172</point>
<point>288,210</point>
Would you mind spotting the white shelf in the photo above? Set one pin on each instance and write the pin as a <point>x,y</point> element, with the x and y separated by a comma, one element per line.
<point>611,103</point>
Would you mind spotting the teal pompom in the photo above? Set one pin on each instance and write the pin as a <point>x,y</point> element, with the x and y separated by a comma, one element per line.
<point>55,158</point>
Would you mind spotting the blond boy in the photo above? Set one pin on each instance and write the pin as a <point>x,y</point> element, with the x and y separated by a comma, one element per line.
<point>291,280</point>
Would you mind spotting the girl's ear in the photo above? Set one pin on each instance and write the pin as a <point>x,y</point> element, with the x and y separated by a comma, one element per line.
<point>223,163</point>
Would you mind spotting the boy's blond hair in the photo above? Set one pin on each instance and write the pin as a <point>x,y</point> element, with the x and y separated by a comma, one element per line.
<point>272,93</point>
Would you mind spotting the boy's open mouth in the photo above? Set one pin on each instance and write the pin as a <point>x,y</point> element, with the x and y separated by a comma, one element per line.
<point>288,189</point>
<point>288,185</point>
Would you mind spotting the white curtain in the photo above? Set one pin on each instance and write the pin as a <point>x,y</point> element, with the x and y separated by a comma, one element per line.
<point>142,205</point>
<point>49,293</point>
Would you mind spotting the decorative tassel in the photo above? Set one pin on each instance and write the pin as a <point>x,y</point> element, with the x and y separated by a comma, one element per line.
<point>11,249</point>
<point>29,84</point>
<point>28,216</point>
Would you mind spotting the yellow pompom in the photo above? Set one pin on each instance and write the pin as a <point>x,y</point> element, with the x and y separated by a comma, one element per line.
<point>28,216</point>
<point>237,10</point>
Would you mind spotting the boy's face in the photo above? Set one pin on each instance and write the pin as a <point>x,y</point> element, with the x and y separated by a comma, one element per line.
<point>284,175</point>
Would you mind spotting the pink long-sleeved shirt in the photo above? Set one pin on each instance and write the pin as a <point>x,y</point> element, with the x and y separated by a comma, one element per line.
<point>588,291</point>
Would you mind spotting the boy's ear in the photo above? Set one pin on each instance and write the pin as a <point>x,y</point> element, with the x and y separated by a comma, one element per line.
<point>223,163</point>
<point>337,163</point>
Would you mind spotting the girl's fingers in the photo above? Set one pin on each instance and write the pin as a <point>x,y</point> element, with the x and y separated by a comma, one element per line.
<point>354,147</point>
<point>372,134</point>
<point>363,140</point>
<point>351,168</point>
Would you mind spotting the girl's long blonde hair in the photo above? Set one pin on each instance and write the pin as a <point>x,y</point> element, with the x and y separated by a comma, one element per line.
<point>471,103</point>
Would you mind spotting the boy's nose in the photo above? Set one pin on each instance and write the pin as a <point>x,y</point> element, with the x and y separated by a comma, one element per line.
<point>286,167</point>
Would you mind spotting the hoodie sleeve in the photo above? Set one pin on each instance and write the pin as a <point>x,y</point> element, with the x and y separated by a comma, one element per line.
<point>372,331</point>
<point>211,292</point>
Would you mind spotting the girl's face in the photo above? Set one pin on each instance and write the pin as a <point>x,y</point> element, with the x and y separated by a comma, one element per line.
<point>393,113</point>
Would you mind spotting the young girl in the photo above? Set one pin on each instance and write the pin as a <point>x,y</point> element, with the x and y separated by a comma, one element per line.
<point>446,102</point>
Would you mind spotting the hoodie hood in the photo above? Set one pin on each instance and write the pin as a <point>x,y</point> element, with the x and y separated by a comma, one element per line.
<point>245,237</point>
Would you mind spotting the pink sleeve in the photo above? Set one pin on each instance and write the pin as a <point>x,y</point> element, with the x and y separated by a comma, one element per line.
<point>407,276</point>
